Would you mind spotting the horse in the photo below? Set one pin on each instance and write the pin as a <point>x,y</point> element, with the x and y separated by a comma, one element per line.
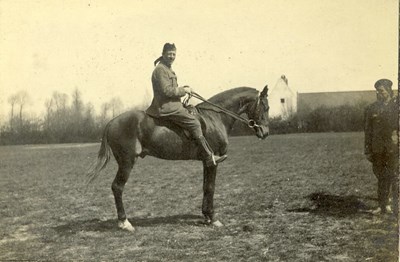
<point>135,134</point>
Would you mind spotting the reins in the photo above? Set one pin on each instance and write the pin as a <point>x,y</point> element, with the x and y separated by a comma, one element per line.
<point>250,122</point>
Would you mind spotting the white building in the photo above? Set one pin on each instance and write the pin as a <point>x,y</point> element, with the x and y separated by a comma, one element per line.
<point>282,100</point>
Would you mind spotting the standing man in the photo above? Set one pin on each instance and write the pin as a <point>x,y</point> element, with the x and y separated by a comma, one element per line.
<point>167,103</point>
<point>381,144</point>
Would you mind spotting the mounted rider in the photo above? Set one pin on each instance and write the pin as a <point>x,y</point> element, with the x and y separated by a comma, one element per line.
<point>167,103</point>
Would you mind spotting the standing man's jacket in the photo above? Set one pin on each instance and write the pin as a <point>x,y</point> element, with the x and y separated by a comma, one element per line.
<point>167,94</point>
<point>381,127</point>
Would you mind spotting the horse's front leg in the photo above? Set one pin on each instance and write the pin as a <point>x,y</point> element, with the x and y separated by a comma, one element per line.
<point>208,194</point>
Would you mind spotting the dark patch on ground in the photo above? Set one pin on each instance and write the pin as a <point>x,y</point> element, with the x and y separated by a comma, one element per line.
<point>334,205</point>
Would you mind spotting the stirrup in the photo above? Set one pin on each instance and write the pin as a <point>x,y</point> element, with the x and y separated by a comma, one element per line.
<point>219,159</point>
<point>214,160</point>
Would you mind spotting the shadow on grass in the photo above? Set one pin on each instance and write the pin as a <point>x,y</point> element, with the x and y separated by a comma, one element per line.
<point>111,224</point>
<point>332,205</point>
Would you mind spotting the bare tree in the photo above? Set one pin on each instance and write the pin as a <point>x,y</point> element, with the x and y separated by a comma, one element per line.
<point>105,107</point>
<point>60,101</point>
<point>22,99</point>
<point>115,106</point>
<point>49,104</point>
<point>59,119</point>
<point>77,114</point>
<point>77,103</point>
<point>13,99</point>
<point>89,125</point>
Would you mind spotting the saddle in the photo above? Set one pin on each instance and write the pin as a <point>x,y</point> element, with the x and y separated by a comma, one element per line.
<point>168,124</point>
<point>192,110</point>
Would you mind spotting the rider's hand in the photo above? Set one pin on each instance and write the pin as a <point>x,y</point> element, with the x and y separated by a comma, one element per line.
<point>187,89</point>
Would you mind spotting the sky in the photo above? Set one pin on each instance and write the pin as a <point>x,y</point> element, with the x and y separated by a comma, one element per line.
<point>106,48</point>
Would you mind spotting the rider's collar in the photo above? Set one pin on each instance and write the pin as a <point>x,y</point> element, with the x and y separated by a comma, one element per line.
<point>164,63</point>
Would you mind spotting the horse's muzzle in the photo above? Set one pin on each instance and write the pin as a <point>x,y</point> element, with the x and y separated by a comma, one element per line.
<point>262,131</point>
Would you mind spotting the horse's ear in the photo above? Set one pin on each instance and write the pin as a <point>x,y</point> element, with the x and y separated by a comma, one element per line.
<point>264,93</point>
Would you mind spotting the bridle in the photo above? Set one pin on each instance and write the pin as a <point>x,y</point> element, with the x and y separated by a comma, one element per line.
<point>250,122</point>
<point>257,110</point>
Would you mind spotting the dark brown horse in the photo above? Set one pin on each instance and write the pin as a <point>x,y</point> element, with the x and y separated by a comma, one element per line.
<point>134,134</point>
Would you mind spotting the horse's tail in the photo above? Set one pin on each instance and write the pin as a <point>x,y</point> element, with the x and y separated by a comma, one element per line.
<point>103,157</point>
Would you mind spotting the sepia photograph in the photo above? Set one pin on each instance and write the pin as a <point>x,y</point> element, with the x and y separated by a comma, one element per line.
<point>215,130</point>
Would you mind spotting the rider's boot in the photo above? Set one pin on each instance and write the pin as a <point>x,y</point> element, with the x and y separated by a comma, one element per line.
<point>210,158</point>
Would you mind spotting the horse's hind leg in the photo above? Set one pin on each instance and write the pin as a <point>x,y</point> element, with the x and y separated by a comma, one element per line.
<point>125,165</point>
<point>208,194</point>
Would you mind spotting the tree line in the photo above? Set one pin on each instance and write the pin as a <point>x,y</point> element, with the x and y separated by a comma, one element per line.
<point>68,119</point>
<point>65,119</point>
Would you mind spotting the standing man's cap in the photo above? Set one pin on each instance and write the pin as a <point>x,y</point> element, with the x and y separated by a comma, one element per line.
<point>386,83</point>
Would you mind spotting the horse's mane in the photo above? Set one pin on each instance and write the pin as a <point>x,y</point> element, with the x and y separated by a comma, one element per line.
<point>225,97</point>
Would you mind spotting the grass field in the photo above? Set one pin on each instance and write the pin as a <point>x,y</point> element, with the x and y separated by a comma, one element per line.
<point>301,197</point>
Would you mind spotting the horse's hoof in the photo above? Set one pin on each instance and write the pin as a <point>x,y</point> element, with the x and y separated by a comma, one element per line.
<point>126,225</point>
<point>217,224</point>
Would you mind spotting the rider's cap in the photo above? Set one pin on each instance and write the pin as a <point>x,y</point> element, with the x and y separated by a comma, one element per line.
<point>168,47</point>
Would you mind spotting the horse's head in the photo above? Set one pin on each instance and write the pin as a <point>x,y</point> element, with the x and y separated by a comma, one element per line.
<point>242,100</point>
<point>258,114</point>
